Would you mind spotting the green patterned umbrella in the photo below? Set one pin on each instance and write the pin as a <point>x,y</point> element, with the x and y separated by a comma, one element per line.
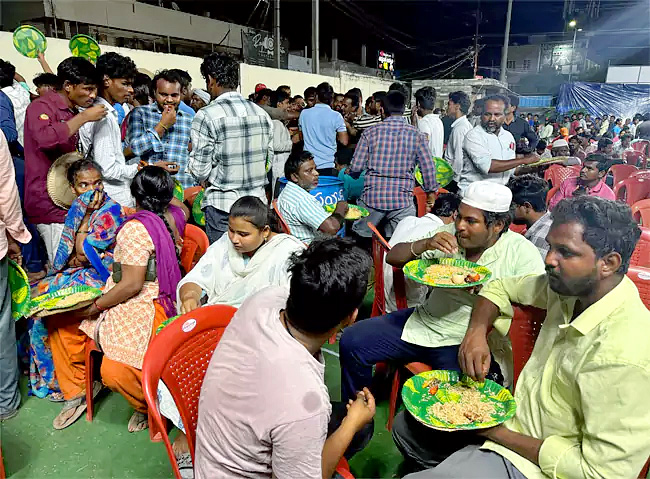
<point>197,212</point>
<point>418,399</point>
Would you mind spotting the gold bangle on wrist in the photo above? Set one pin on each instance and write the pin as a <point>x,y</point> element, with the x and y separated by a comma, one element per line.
<point>413,252</point>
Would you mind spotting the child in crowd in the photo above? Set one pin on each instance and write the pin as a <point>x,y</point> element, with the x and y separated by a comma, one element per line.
<point>352,188</point>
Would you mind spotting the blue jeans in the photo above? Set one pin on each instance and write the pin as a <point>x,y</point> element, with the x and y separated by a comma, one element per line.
<point>379,339</point>
<point>216,223</point>
<point>33,257</point>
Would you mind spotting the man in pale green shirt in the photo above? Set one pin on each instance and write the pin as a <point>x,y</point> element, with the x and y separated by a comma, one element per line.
<point>432,333</point>
<point>582,398</point>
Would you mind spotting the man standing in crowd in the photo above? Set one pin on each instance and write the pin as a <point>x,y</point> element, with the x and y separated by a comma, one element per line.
<point>519,128</point>
<point>115,74</point>
<point>582,407</point>
<point>280,114</point>
<point>282,142</point>
<point>12,232</point>
<point>428,122</point>
<point>200,98</point>
<point>489,150</point>
<point>590,182</point>
<point>232,142</point>
<point>622,146</point>
<point>457,108</point>
<point>303,213</point>
<point>186,92</point>
<point>604,126</point>
<point>605,147</point>
<point>18,95</point>
<point>372,116</point>
<point>388,153</point>
<point>321,128</point>
<point>560,148</point>
<point>529,204</point>
<point>643,130</point>
<point>311,95</point>
<point>51,130</point>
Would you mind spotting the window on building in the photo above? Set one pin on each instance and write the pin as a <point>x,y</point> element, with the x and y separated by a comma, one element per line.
<point>526,64</point>
<point>511,64</point>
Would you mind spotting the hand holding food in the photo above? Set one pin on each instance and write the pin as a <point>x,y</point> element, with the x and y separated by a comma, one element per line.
<point>443,241</point>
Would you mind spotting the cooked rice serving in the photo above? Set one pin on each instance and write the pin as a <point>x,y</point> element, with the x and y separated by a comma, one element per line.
<point>469,409</point>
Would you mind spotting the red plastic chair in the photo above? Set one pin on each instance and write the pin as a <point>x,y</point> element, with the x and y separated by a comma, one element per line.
<point>195,244</point>
<point>282,223</point>
<point>556,174</point>
<point>641,278</point>
<point>343,469</point>
<point>632,189</point>
<point>641,212</point>
<point>3,474</point>
<point>641,145</point>
<point>190,193</point>
<point>379,249</point>
<point>551,194</point>
<point>644,472</point>
<point>521,229</point>
<point>179,355</point>
<point>524,329</point>
<point>621,172</point>
<point>637,158</point>
<point>641,254</point>
<point>420,201</point>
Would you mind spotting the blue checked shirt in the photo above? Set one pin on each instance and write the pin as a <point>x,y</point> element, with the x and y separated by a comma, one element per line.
<point>173,146</point>
<point>388,153</point>
<point>232,140</point>
<point>302,212</point>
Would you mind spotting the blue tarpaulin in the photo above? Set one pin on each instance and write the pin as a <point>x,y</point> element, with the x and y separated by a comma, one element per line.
<point>623,100</point>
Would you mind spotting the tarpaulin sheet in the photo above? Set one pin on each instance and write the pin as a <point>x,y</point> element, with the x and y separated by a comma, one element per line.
<point>623,100</point>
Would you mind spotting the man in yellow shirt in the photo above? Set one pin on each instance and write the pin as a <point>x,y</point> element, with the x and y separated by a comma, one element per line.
<point>582,409</point>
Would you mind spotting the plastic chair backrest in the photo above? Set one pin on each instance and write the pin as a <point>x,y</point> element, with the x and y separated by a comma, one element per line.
<point>195,244</point>
<point>190,193</point>
<point>551,194</point>
<point>379,249</point>
<point>557,174</point>
<point>525,327</point>
<point>179,355</point>
<point>620,172</point>
<point>641,278</point>
<point>641,145</point>
<point>634,158</point>
<point>641,212</point>
<point>420,201</point>
<point>641,254</point>
<point>282,223</point>
<point>632,189</point>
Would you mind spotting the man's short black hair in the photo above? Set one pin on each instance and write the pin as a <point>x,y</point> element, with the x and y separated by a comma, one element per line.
<point>223,68</point>
<point>77,70</point>
<point>393,103</point>
<point>47,79</point>
<point>627,136</point>
<point>403,89</point>
<point>461,98</point>
<point>608,225</point>
<point>328,283</point>
<point>284,88</point>
<point>506,218</point>
<point>541,145</point>
<point>354,98</point>
<point>297,157</point>
<point>604,143</point>
<point>344,156</point>
<point>425,97</point>
<point>114,65</point>
<point>141,88</point>
<point>325,93</point>
<point>355,91</point>
<point>310,91</point>
<point>262,93</point>
<point>278,96</point>
<point>529,189</point>
<point>186,78</point>
<point>7,73</point>
<point>170,76</point>
<point>602,160</point>
<point>499,98</point>
<point>378,96</point>
<point>514,101</point>
<point>446,205</point>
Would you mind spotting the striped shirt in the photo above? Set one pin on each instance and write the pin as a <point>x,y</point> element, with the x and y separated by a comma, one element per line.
<point>302,212</point>
<point>173,146</point>
<point>536,234</point>
<point>366,121</point>
<point>232,140</point>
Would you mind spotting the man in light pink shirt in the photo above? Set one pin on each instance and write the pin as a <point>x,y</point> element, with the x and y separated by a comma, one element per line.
<point>12,232</point>
<point>264,407</point>
<point>591,181</point>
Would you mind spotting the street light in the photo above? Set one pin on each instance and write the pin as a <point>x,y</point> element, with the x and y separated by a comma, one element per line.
<point>573,24</point>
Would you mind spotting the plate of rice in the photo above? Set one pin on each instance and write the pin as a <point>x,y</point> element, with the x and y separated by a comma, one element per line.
<point>446,272</point>
<point>354,212</point>
<point>447,401</point>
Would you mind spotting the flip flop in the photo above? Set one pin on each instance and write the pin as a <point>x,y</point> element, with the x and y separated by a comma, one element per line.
<point>55,397</point>
<point>138,422</point>
<point>185,466</point>
<point>74,409</point>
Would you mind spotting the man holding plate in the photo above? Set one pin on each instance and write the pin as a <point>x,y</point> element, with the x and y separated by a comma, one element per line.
<point>432,333</point>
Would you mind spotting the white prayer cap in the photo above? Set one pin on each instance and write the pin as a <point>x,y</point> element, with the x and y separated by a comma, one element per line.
<point>559,143</point>
<point>202,94</point>
<point>488,196</point>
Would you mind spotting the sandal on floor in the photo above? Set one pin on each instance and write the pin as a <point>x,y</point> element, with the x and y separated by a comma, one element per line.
<point>55,397</point>
<point>74,409</point>
<point>185,466</point>
<point>139,422</point>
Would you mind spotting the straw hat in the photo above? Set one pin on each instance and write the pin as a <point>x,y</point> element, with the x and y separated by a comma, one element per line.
<point>57,181</point>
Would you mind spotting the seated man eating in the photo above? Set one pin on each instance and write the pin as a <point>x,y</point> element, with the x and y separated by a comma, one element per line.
<point>432,333</point>
<point>264,407</point>
<point>590,182</point>
<point>302,212</point>
<point>582,409</point>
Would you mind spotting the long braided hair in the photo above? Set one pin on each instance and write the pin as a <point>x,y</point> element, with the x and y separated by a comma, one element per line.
<point>153,189</point>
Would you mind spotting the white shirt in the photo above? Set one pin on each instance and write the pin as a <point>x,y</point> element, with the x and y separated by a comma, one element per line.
<point>106,137</point>
<point>409,229</point>
<point>454,152</point>
<point>479,149</point>
<point>20,100</point>
<point>547,132</point>
<point>431,125</point>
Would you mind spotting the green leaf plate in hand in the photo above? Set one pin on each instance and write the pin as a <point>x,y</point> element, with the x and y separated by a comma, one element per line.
<point>417,271</point>
<point>197,212</point>
<point>179,192</point>
<point>444,172</point>
<point>20,293</point>
<point>29,41</point>
<point>55,301</point>
<point>354,212</point>
<point>85,47</point>
<point>418,399</point>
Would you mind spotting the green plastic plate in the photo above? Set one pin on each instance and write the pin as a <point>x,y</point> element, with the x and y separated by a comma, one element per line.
<point>364,212</point>
<point>418,400</point>
<point>85,47</point>
<point>20,293</point>
<point>416,270</point>
<point>444,172</point>
<point>197,212</point>
<point>29,41</point>
<point>179,192</point>
<point>50,301</point>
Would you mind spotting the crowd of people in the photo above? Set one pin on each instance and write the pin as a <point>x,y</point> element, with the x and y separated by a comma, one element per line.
<point>89,168</point>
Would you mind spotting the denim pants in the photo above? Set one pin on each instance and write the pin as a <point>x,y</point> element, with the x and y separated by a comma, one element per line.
<point>216,223</point>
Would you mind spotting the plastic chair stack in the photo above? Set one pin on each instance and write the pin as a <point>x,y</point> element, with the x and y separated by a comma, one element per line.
<point>621,172</point>
<point>632,189</point>
<point>641,278</point>
<point>641,145</point>
<point>195,244</point>
<point>636,158</point>
<point>641,212</point>
<point>641,254</point>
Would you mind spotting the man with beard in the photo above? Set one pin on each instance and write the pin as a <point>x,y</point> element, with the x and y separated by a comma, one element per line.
<point>432,333</point>
<point>582,407</point>
<point>591,181</point>
<point>529,206</point>
<point>489,150</point>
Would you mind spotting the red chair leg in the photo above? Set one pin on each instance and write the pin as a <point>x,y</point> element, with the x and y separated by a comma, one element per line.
<point>155,434</point>
<point>392,405</point>
<point>3,474</point>
<point>90,373</point>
